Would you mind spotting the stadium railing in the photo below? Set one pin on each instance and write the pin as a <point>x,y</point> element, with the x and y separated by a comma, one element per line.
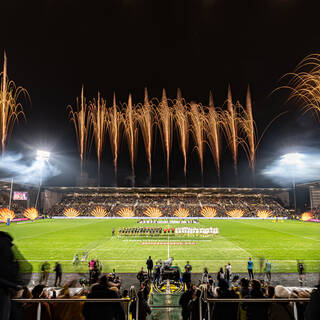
<point>203,298</point>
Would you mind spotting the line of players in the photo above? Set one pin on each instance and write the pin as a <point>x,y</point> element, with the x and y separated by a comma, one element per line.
<point>144,231</point>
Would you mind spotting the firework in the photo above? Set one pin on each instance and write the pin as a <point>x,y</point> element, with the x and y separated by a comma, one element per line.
<point>306,216</point>
<point>131,133</point>
<point>165,121</point>
<point>236,213</point>
<point>145,120</point>
<point>208,212</point>
<point>181,213</point>
<point>153,212</point>
<point>71,213</point>
<point>31,213</point>
<point>198,129</point>
<point>230,125</point>
<point>125,213</point>
<point>305,83</point>
<point>248,127</point>
<point>98,115</point>
<point>11,109</point>
<point>5,214</point>
<point>264,214</point>
<point>99,212</point>
<point>114,129</point>
<point>182,125</point>
<point>82,125</point>
<point>213,126</point>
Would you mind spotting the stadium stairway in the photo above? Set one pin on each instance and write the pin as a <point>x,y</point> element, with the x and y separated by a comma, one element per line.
<point>165,305</point>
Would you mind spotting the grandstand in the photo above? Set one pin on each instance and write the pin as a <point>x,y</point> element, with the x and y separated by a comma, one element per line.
<point>167,202</point>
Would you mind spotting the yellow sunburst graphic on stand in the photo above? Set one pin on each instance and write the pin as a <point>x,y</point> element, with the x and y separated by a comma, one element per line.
<point>208,212</point>
<point>306,216</point>
<point>125,213</point>
<point>236,213</point>
<point>71,213</point>
<point>181,213</point>
<point>153,212</point>
<point>31,213</point>
<point>264,214</point>
<point>99,212</point>
<point>5,214</point>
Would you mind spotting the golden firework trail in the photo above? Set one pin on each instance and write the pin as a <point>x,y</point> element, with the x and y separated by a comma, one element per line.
<point>213,128</point>
<point>131,133</point>
<point>31,213</point>
<point>145,120</point>
<point>197,118</point>
<point>99,212</point>
<point>5,214</point>
<point>263,214</point>
<point>306,216</point>
<point>11,109</point>
<point>305,83</point>
<point>98,113</point>
<point>182,126</point>
<point>125,213</point>
<point>165,121</point>
<point>230,123</point>
<point>181,213</point>
<point>248,127</point>
<point>71,213</point>
<point>81,120</point>
<point>153,212</point>
<point>236,213</point>
<point>208,212</point>
<point>114,127</point>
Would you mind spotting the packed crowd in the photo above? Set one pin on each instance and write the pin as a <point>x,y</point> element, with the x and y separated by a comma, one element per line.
<point>168,204</point>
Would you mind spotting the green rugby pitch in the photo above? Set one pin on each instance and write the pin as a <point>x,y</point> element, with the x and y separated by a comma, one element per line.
<point>58,240</point>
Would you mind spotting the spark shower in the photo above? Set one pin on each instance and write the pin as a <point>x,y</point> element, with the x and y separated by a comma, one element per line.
<point>204,125</point>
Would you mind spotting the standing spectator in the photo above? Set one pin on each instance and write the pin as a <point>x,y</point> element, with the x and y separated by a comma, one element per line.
<point>149,264</point>
<point>156,274</point>
<point>9,273</point>
<point>45,268</point>
<point>141,276</point>
<point>220,276</point>
<point>99,310</point>
<point>184,303</point>
<point>205,276</point>
<point>58,270</point>
<point>301,272</point>
<point>186,279</point>
<point>75,260</point>
<point>188,267</point>
<point>250,269</point>
<point>268,270</point>
<point>228,272</point>
<point>312,311</point>
<point>91,265</point>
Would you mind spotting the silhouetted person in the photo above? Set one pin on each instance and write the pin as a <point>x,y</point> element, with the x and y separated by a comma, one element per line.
<point>9,273</point>
<point>149,267</point>
<point>58,271</point>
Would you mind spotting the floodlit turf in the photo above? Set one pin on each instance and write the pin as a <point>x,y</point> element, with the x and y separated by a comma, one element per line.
<point>58,240</point>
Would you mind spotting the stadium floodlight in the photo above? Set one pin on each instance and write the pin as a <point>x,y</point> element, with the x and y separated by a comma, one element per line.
<point>42,155</point>
<point>293,161</point>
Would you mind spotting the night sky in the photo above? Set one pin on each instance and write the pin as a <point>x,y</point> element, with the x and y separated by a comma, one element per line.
<point>53,47</point>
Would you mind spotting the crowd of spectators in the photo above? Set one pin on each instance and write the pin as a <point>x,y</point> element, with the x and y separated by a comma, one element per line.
<point>168,204</point>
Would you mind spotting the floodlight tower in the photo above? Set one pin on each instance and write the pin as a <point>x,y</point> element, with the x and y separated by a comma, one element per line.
<point>42,157</point>
<point>293,161</point>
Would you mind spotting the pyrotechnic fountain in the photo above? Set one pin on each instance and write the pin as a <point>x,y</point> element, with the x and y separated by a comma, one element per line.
<point>145,119</point>
<point>182,125</point>
<point>213,127</point>
<point>165,120</point>
<point>197,117</point>
<point>131,133</point>
<point>98,114</point>
<point>82,125</point>
<point>11,109</point>
<point>114,127</point>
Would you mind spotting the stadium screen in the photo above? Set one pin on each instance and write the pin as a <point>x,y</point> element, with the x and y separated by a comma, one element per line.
<point>18,195</point>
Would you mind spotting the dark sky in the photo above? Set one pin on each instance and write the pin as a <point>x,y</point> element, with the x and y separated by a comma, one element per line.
<point>54,47</point>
